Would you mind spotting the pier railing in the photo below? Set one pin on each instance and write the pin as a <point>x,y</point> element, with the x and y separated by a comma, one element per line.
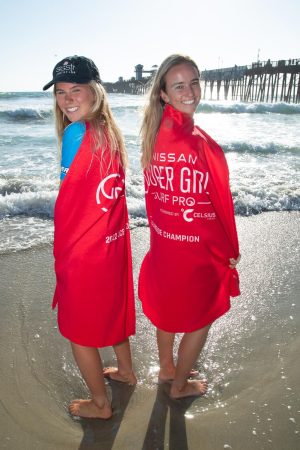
<point>268,81</point>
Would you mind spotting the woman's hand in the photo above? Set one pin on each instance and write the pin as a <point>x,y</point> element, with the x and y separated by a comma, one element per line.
<point>234,262</point>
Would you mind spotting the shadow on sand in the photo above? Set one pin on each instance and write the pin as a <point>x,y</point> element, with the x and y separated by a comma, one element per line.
<point>155,436</point>
<point>95,436</point>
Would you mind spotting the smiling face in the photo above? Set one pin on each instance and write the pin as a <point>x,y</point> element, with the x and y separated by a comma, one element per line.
<point>182,89</point>
<point>74,100</point>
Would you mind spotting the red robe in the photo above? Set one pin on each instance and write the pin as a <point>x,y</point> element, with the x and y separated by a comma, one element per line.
<point>94,289</point>
<point>185,282</point>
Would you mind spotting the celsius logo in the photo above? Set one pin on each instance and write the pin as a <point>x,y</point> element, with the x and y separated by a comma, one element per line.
<point>186,213</point>
<point>107,189</point>
<point>189,215</point>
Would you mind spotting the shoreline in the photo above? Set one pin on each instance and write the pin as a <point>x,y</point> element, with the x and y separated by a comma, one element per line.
<point>250,359</point>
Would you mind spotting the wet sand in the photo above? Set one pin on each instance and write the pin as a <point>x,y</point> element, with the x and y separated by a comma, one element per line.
<point>251,360</point>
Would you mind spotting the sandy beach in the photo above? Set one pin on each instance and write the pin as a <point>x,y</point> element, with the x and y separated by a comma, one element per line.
<point>251,360</point>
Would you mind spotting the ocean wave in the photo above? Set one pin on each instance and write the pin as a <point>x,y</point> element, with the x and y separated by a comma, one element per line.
<point>41,114</point>
<point>25,198</point>
<point>25,114</point>
<point>136,103</point>
<point>17,185</point>
<point>136,208</point>
<point>269,148</point>
<point>33,204</point>
<point>35,197</point>
<point>27,218</point>
<point>248,204</point>
<point>41,204</point>
<point>135,198</point>
<point>127,109</point>
<point>248,108</point>
<point>22,95</point>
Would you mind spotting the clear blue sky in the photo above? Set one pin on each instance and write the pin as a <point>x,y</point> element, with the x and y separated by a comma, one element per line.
<point>118,34</point>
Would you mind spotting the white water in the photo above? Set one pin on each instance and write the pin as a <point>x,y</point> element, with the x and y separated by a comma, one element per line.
<point>261,142</point>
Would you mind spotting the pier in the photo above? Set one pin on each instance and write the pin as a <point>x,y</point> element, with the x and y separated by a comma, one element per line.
<point>131,86</point>
<point>270,81</point>
<point>136,85</point>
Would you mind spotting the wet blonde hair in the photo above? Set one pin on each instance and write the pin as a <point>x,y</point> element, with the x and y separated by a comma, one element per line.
<point>104,130</point>
<point>155,105</point>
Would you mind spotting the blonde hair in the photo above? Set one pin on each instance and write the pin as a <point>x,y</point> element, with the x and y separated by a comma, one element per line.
<point>104,130</point>
<point>155,106</point>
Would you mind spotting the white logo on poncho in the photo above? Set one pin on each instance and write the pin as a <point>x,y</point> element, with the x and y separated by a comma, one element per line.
<point>107,189</point>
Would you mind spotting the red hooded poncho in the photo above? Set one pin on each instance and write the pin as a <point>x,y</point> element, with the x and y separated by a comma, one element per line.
<point>94,289</point>
<point>185,282</point>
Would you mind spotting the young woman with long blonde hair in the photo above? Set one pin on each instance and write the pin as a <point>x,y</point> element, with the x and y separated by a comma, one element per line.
<point>94,288</point>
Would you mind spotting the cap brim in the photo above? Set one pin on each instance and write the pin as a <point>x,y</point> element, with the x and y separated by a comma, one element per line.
<point>48,85</point>
<point>69,79</point>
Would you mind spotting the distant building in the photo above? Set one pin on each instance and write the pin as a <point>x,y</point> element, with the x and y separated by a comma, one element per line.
<point>139,72</point>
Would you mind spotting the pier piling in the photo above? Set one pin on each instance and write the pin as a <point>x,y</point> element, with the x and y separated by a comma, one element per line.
<point>268,81</point>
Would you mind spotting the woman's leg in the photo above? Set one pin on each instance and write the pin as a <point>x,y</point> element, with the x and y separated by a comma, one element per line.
<point>90,366</point>
<point>124,372</point>
<point>165,343</point>
<point>189,349</point>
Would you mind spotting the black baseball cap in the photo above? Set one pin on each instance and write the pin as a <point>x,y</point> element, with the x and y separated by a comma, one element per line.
<point>74,69</point>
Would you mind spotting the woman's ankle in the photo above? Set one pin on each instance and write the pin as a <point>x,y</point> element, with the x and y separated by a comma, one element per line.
<point>101,401</point>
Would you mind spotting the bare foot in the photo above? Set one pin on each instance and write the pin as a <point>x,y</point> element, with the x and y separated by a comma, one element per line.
<point>113,374</point>
<point>87,408</point>
<point>192,388</point>
<point>166,375</point>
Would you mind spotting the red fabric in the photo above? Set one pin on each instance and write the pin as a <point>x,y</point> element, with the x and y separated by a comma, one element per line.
<point>94,289</point>
<point>185,282</point>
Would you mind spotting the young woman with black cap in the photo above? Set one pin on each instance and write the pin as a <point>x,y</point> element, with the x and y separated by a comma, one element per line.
<point>94,287</point>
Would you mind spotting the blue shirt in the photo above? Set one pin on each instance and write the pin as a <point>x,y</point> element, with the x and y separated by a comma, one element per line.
<point>71,141</point>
